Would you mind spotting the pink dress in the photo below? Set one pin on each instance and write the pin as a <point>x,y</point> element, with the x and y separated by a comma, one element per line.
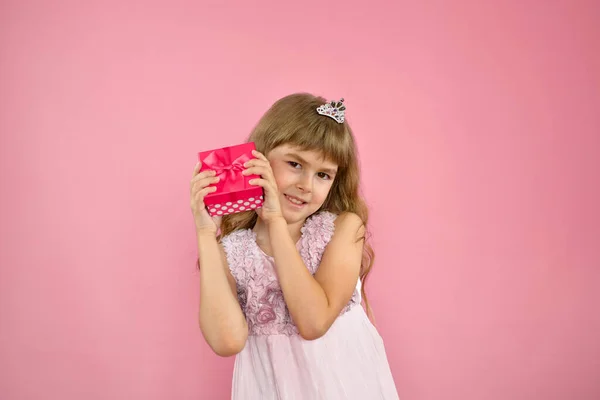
<point>348,362</point>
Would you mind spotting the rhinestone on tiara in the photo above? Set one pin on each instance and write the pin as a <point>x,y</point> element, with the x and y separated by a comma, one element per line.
<point>334,109</point>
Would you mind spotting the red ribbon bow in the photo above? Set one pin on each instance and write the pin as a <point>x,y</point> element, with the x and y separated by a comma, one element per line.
<point>230,173</point>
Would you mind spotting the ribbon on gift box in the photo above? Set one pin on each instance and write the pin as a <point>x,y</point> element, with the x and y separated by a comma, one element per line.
<point>229,172</point>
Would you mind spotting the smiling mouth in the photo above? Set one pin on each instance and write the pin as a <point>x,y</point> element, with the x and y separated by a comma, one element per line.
<point>295,201</point>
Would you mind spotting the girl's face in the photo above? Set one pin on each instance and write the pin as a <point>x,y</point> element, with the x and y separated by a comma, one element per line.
<point>303,178</point>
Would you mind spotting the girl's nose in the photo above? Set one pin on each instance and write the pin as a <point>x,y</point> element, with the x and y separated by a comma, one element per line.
<point>304,183</point>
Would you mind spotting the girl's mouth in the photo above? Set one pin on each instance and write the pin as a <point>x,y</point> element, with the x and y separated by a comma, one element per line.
<point>295,201</point>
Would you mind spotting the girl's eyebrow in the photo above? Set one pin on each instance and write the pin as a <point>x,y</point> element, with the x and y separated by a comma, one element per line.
<point>330,171</point>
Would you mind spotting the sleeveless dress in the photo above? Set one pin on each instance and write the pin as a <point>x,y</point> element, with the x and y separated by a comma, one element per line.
<point>348,362</point>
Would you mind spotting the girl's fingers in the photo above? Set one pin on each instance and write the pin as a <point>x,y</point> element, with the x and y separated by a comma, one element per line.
<point>202,175</point>
<point>199,196</point>
<point>264,173</point>
<point>259,155</point>
<point>197,168</point>
<point>258,170</point>
<point>265,184</point>
<point>256,162</point>
<point>257,167</point>
<point>202,183</point>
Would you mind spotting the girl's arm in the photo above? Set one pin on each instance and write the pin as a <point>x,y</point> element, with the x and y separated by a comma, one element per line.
<point>220,316</point>
<point>315,302</point>
<point>221,319</point>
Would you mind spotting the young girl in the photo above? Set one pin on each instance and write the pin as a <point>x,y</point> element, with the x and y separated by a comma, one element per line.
<point>281,286</point>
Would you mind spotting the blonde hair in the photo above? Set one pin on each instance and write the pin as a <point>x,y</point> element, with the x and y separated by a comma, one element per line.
<point>293,120</point>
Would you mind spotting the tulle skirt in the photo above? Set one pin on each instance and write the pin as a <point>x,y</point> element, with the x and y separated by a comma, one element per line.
<point>348,362</point>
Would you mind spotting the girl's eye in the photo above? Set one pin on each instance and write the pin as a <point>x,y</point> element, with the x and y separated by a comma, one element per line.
<point>323,175</point>
<point>293,164</point>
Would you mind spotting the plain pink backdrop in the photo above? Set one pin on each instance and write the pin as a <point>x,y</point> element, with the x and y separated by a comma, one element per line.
<point>478,126</point>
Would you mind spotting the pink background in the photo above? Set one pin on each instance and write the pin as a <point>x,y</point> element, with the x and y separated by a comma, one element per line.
<point>478,125</point>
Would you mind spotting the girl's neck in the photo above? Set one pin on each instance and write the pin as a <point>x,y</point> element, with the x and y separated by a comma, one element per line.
<point>262,231</point>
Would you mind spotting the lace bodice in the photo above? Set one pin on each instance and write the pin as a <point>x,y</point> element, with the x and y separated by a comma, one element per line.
<point>259,293</point>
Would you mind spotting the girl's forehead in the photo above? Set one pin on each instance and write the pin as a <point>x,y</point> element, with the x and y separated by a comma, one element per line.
<point>308,155</point>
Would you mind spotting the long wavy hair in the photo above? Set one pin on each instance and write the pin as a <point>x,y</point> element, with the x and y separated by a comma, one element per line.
<point>293,120</point>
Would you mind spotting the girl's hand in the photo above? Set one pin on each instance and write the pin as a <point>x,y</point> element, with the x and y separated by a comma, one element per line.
<point>271,208</point>
<point>199,188</point>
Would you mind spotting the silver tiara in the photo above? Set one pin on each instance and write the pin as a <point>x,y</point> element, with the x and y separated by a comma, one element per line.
<point>334,109</point>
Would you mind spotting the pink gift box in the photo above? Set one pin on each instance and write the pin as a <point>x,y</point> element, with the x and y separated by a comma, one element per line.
<point>234,192</point>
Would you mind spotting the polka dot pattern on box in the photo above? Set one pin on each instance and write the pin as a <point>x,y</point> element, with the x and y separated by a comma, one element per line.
<point>232,207</point>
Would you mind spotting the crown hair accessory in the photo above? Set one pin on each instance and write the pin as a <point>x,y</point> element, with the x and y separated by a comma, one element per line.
<point>334,109</point>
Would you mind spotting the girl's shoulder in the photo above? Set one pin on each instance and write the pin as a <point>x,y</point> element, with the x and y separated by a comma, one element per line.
<point>323,219</point>
<point>237,236</point>
<point>237,244</point>
<point>319,226</point>
<point>239,248</point>
<point>324,223</point>
<point>316,234</point>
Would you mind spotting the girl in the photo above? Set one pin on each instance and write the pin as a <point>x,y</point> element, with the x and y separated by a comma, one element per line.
<point>281,286</point>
